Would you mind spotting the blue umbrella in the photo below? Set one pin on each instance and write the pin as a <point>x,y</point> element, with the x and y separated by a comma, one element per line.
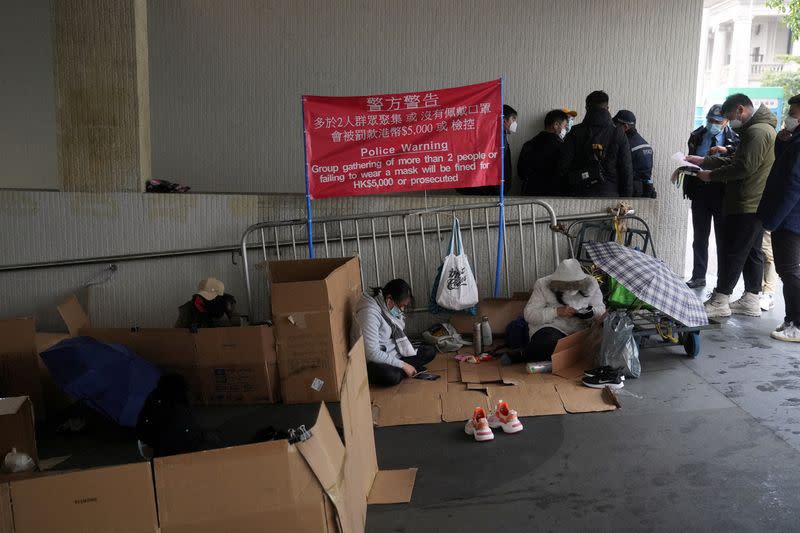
<point>110,378</point>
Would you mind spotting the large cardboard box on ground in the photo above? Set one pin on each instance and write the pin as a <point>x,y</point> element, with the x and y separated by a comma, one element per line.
<point>232,365</point>
<point>119,499</point>
<point>465,386</point>
<point>312,306</point>
<point>19,362</point>
<point>318,485</point>
<point>500,311</point>
<point>17,427</point>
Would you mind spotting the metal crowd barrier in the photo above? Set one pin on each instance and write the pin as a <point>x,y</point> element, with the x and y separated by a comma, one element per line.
<point>410,244</point>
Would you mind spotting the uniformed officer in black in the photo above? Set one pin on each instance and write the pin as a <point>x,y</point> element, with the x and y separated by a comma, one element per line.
<point>641,155</point>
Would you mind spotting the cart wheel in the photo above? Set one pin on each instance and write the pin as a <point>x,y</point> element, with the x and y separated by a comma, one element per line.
<point>691,343</point>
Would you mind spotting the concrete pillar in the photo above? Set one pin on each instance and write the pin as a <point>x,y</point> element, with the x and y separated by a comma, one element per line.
<point>718,54</point>
<point>102,95</point>
<point>740,48</point>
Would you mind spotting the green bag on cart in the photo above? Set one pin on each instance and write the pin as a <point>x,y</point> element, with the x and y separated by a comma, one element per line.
<point>621,298</point>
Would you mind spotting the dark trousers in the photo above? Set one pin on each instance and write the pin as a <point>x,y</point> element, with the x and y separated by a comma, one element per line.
<point>706,205</point>
<point>387,375</point>
<point>741,254</point>
<point>540,347</point>
<point>786,249</point>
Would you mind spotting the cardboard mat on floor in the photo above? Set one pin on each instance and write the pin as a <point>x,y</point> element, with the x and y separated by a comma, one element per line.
<point>464,386</point>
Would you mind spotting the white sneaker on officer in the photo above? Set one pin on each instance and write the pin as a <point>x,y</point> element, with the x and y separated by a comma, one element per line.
<point>747,305</point>
<point>718,305</point>
<point>767,301</point>
<point>790,333</point>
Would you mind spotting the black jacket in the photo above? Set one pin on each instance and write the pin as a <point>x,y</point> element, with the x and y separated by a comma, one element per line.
<point>597,128</point>
<point>538,165</point>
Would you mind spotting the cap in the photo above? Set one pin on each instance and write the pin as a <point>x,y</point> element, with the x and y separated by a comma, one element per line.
<point>715,113</point>
<point>569,112</point>
<point>625,116</point>
<point>210,288</point>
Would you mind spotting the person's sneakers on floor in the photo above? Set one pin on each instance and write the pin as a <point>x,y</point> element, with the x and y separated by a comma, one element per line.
<point>786,332</point>
<point>767,301</point>
<point>505,418</point>
<point>786,324</point>
<point>614,379</point>
<point>598,371</point>
<point>696,283</point>
<point>747,305</point>
<point>718,306</point>
<point>478,426</point>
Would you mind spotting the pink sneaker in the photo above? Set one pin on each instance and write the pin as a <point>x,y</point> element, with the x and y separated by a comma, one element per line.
<point>505,418</point>
<point>478,426</point>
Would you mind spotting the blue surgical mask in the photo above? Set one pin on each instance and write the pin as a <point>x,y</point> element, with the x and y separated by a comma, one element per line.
<point>395,312</point>
<point>570,122</point>
<point>713,129</point>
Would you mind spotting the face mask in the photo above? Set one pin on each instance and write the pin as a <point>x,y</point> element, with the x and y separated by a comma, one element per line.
<point>570,293</point>
<point>512,128</point>
<point>569,125</point>
<point>395,312</point>
<point>713,129</point>
<point>562,133</point>
<point>736,123</point>
<point>791,123</point>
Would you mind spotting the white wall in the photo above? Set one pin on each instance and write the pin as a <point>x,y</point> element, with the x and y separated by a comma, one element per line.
<point>28,158</point>
<point>226,77</point>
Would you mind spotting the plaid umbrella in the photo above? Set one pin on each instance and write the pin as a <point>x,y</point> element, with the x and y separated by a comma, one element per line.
<point>650,280</point>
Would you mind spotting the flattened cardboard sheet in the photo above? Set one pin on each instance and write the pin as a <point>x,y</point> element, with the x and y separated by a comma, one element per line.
<point>486,372</point>
<point>453,370</point>
<point>393,486</point>
<point>528,400</point>
<point>578,398</point>
<point>6,521</point>
<point>440,363</point>
<point>459,406</point>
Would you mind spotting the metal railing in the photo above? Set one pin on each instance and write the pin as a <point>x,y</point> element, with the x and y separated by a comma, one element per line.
<point>411,244</point>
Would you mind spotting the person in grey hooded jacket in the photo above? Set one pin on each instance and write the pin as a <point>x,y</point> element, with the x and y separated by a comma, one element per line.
<point>380,320</point>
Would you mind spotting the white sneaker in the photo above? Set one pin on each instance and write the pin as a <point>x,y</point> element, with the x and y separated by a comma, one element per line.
<point>766,300</point>
<point>747,305</point>
<point>782,326</point>
<point>790,333</point>
<point>718,305</point>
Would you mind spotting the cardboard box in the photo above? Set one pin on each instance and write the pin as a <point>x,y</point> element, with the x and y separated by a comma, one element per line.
<point>312,306</point>
<point>17,427</point>
<point>235,365</point>
<point>317,485</point>
<point>118,499</point>
<point>19,362</point>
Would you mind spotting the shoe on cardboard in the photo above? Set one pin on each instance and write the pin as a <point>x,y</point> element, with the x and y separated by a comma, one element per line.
<point>790,333</point>
<point>767,301</point>
<point>718,306</point>
<point>612,381</point>
<point>747,305</point>
<point>505,418</point>
<point>478,426</point>
<point>696,283</point>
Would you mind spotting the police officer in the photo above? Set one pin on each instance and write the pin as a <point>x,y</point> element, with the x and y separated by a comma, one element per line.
<point>641,155</point>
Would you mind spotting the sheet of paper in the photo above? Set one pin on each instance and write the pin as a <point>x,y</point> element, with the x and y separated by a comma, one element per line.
<point>680,157</point>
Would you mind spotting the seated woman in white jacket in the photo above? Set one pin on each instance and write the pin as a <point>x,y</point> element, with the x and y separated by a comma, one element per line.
<point>554,310</point>
<point>380,320</point>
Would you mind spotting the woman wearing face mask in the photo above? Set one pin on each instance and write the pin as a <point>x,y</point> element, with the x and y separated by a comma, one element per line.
<point>380,320</point>
<point>559,306</point>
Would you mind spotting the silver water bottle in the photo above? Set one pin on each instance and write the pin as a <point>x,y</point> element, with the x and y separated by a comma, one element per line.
<point>477,343</point>
<point>486,332</point>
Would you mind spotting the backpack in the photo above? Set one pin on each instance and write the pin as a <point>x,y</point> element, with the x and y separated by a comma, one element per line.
<point>593,151</point>
<point>517,334</point>
<point>444,337</point>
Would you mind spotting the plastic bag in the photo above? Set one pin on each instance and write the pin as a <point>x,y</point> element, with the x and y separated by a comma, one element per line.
<point>621,298</point>
<point>619,348</point>
<point>457,288</point>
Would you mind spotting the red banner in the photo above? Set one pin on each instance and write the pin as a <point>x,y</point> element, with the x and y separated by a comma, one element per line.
<point>405,142</point>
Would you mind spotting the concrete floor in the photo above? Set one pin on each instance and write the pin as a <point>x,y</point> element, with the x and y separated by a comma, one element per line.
<point>710,444</point>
